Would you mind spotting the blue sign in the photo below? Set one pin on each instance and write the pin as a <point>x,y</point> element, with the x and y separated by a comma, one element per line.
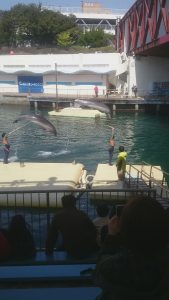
<point>30,84</point>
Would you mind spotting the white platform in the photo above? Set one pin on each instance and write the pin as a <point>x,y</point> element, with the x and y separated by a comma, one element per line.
<point>37,176</point>
<point>155,172</point>
<point>106,178</point>
<point>77,112</point>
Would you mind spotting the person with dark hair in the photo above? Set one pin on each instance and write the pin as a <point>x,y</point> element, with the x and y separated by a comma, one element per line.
<point>121,163</point>
<point>101,220</point>
<point>20,238</point>
<point>134,259</point>
<point>6,147</point>
<point>74,228</point>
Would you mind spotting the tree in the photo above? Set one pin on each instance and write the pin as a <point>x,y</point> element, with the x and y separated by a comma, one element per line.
<point>51,24</point>
<point>17,24</point>
<point>30,24</point>
<point>64,39</point>
<point>93,39</point>
<point>7,30</point>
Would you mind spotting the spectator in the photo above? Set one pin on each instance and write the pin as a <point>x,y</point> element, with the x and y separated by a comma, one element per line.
<point>20,238</point>
<point>77,231</point>
<point>96,90</point>
<point>134,260</point>
<point>101,220</point>
<point>4,247</point>
<point>135,91</point>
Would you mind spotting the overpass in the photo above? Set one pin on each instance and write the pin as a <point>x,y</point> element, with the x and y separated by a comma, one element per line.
<point>142,38</point>
<point>144,29</point>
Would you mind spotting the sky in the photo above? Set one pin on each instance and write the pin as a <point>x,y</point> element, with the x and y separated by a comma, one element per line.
<point>117,4</point>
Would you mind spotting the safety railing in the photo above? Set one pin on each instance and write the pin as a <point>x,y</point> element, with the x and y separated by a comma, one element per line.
<point>80,91</point>
<point>152,176</point>
<point>50,90</point>
<point>38,207</point>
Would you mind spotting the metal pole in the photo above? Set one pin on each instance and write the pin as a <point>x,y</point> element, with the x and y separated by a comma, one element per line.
<point>56,78</point>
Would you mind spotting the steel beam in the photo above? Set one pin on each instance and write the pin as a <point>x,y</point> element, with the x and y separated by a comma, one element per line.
<point>144,26</point>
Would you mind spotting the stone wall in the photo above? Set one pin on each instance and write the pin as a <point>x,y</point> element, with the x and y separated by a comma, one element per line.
<point>14,99</point>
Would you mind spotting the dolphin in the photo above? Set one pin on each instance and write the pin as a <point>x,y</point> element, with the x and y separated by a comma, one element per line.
<point>39,120</point>
<point>93,104</point>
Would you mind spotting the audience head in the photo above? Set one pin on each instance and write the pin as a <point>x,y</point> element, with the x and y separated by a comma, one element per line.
<point>144,225</point>
<point>102,210</point>
<point>17,223</point>
<point>21,239</point>
<point>68,201</point>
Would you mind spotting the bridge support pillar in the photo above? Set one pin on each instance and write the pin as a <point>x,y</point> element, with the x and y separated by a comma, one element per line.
<point>157,107</point>
<point>114,107</point>
<point>136,107</point>
<point>35,105</point>
<point>53,105</point>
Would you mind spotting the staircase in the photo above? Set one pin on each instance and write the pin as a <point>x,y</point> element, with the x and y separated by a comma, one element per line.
<point>149,176</point>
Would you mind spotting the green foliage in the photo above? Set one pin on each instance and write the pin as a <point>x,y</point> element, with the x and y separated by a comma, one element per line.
<point>50,25</point>
<point>29,25</point>
<point>64,39</point>
<point>94,39</point>
<point>82,49</point>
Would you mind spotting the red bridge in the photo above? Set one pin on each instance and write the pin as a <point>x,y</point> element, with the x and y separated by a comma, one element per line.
<point>144,29</point>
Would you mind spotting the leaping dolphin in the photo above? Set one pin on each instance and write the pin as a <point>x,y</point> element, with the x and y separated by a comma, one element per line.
<point>93,104</point>
<point>39,120</point>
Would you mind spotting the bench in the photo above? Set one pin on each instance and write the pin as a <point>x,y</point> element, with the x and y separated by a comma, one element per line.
<point>48,277</point>
<point>74,293</point>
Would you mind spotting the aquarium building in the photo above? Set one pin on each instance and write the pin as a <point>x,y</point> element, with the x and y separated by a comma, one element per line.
<point>68,73</point>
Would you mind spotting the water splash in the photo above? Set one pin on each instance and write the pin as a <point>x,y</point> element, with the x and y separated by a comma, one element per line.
<point>51,154</point>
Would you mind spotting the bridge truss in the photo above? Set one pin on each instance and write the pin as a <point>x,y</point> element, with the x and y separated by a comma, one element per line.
<point>145,29</point>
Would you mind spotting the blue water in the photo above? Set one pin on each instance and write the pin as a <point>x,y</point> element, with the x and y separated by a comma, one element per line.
<point>144,136</point>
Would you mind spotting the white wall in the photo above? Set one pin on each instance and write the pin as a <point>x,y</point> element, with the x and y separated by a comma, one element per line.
<point>8,83</point>
<point>74,87</point>
<point>146,70</point>
<point>98,62</point>
<point>73,68</point>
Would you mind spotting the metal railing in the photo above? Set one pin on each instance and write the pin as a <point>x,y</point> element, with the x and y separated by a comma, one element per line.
<point>78,92</point>
<point>50,90</point>
<point>144,178</point>
<point>38,207</point>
